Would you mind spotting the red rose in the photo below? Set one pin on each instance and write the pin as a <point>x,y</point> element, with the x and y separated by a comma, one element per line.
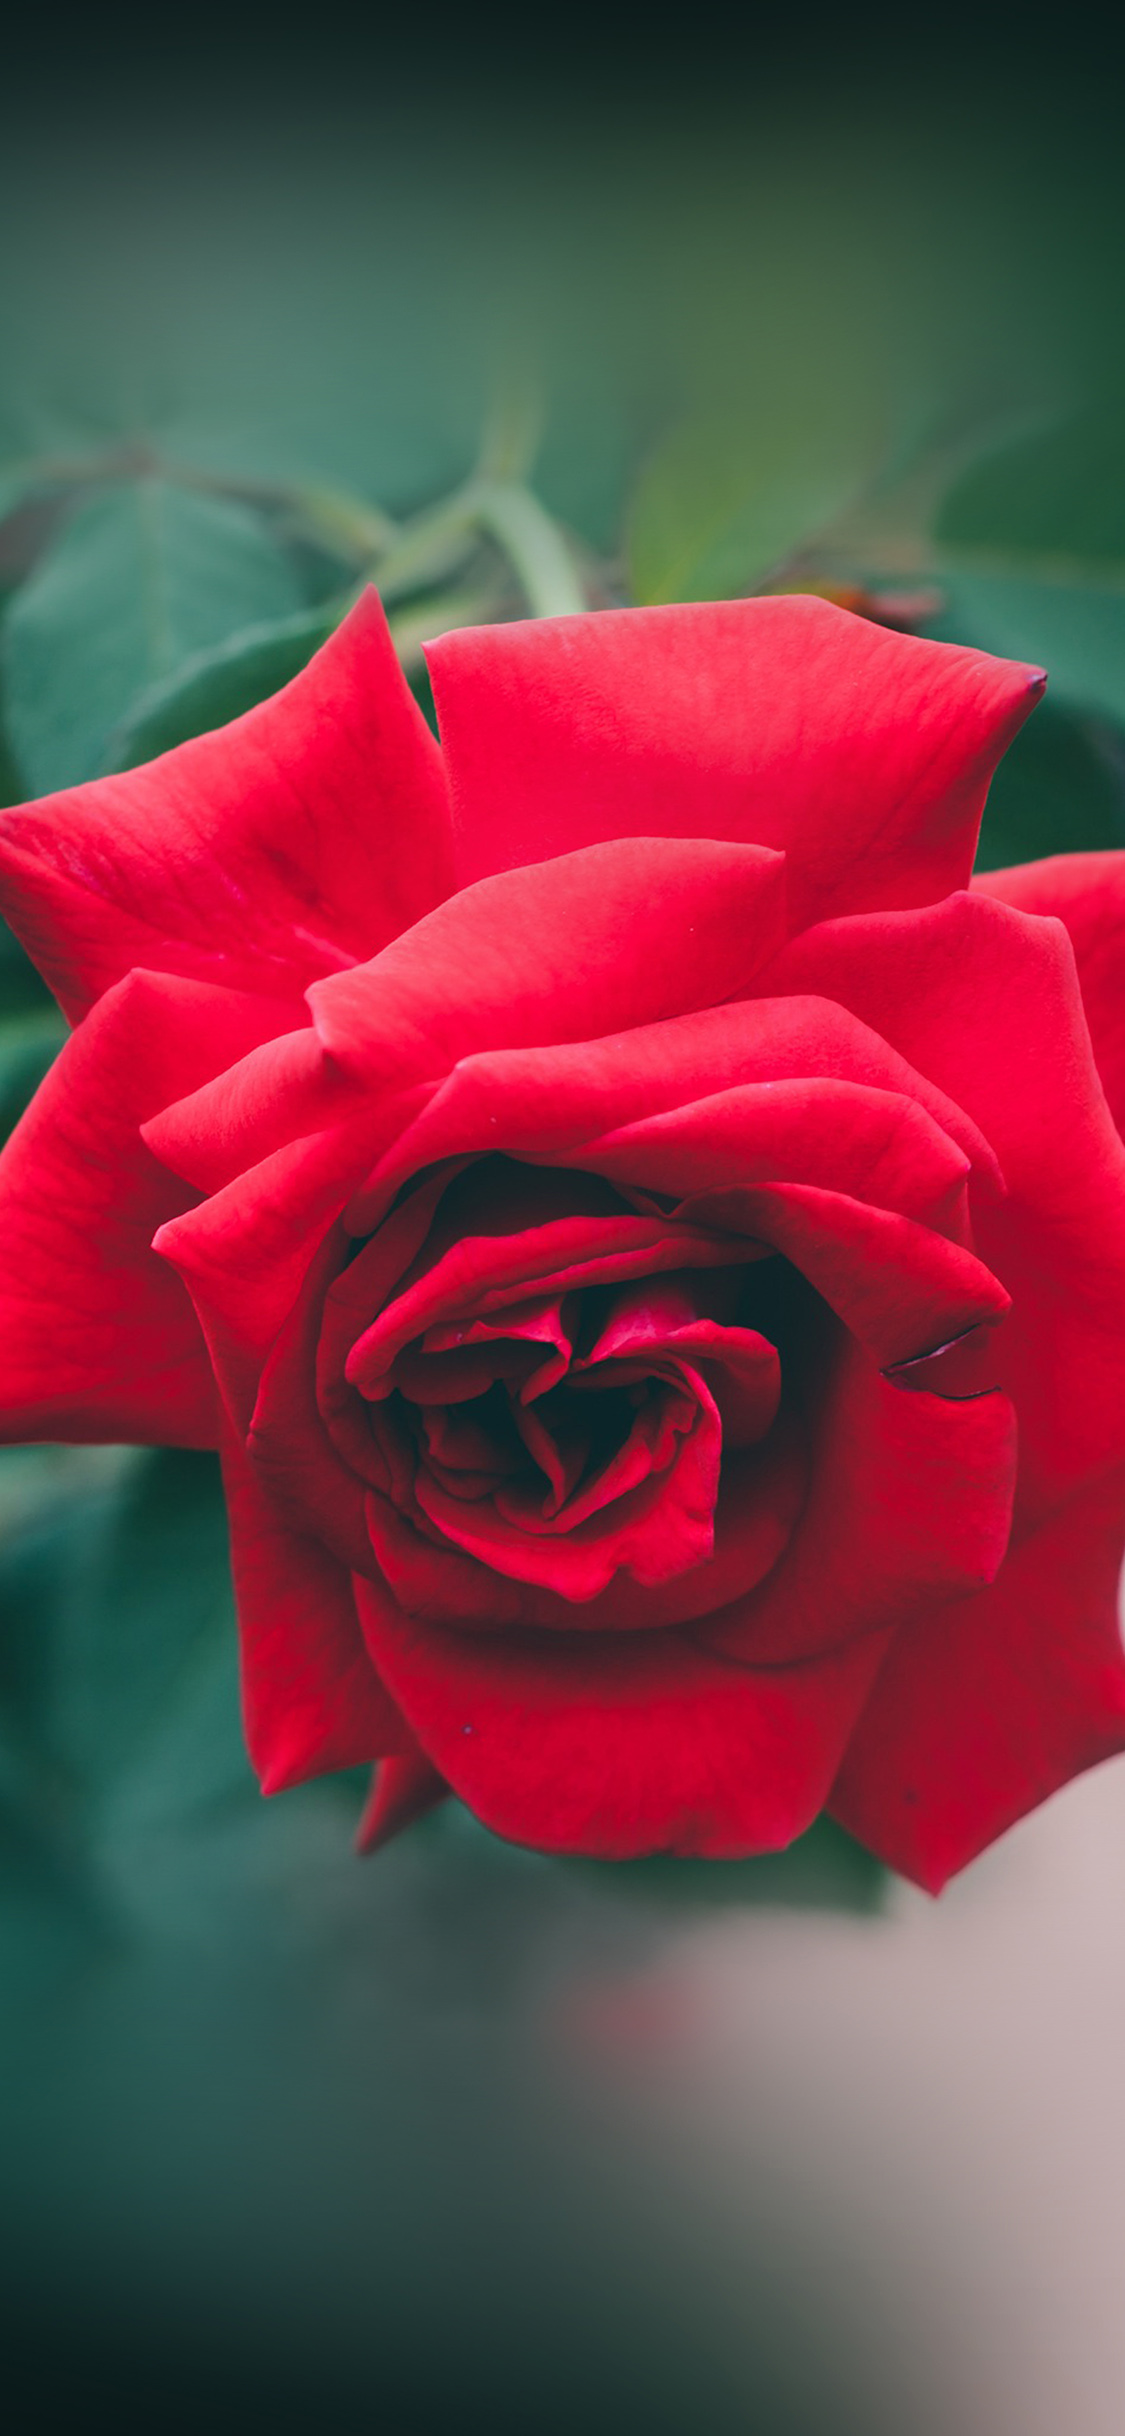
<point>647,1239</point>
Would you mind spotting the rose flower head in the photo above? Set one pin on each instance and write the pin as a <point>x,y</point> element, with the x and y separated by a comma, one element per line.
<point>644,1232</point>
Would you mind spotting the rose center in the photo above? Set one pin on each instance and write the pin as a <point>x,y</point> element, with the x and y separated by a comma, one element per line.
<point>546,1453</point>
<point>556,1381</point>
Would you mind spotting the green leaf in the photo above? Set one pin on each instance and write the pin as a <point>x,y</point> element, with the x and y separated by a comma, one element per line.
<point>217,685</point>
<point>729,497</point>
<point>139,578</point>
<point>12,788</point>
<point>1075,630</point>
<point>145,1603</point>
<point>1060,789</point>
<point>1031,553</point>
<point>1051,493</point>
<point>118,1613</point>
<point>21,990</point>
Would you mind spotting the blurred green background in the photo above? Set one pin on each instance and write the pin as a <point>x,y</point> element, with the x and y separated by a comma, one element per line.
<point>290,2139</point>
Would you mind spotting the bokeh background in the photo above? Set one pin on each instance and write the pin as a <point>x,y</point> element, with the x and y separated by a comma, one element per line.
<point>508,317</point>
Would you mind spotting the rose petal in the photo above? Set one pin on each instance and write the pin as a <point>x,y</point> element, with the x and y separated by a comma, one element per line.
<point>986,999</point>
<point>244,1254</point>
<point>660,1318</point>
<point>651,1514</point>
<point>987,1706</point>
<point>909,1500</point>
<point>283,1091</point>
<point>529,1341</point>
<point>312,1698</point>
<point>621,934</point>
<point>900,1287</point>
<point>483,1275</point>
<point>402,1790</point>
<point>877,1146</point>
<point>620,1746</point>
<point>544,1098</point>
<point>759,1496</point>
<point>865,755</point>
<point>296,840</point>
<point>689,1083</point>
<point>963,1367</point>
<point>652,1446</point>
<point>296,1458</point>
<point>97,1337</point>
<point>1087,892</point>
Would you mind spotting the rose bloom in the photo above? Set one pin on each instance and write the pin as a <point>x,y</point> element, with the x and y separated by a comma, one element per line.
<point>646,1235</point>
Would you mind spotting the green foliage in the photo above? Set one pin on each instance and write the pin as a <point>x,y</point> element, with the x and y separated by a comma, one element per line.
<point>31,1030</point>
<point>139,576</point>
<point>1075,630</point>
<point>729,496</point>
<point>1057,491</point>
<point>1060,789</point>
<point>218,685</point>
<point>117,1605</point>
<point>21,990</point>
<point>12,789</point>
<point>1031,547</point>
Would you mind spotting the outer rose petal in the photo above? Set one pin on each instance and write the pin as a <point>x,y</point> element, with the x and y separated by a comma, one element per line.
<point>97,1336</point>
<point>244,1254</point>
<point>815,1130</point>
<point>312,1699</point>
<point>987,1706</point>
<point>865,755</point>
<point>402,1790</point>
<point>986,1000</point>
<point>549,1096</point>
<point>619,935</point>
<point>621,1746</point>
<point>606,942</point>
<point>901,1288</point>
<point>296,840</point>
<point>1087,892</point>
<point>909,1501</point>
